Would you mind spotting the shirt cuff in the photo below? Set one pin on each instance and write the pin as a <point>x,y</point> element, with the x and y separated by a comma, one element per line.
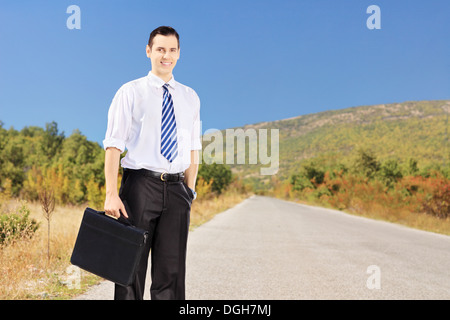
<point>116,143</point>
<point>196,144</point>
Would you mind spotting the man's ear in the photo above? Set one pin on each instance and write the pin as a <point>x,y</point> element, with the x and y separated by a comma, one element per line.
<point>148,51</point>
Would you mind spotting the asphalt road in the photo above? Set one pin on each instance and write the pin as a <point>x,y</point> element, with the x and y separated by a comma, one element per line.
<point>265,248</point>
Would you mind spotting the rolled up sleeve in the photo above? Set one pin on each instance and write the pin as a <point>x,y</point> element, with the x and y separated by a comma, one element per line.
<point>119,120</point>
<point>196,143</point>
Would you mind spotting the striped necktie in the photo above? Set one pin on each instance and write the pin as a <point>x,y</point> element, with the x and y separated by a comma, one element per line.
<point>168,127</point>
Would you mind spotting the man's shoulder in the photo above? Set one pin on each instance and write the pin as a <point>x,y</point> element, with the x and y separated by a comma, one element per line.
<point>135,84</point>
<point>187,90</point>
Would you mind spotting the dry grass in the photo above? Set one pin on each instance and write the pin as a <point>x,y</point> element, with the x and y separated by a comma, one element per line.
<point>26,270</point>
<point>381,211</point>
<point>404,216</point>
<point>373,200</point>
<point>27,273</point>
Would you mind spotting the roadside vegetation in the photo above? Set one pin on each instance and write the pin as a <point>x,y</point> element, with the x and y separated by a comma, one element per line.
<point>386,190</point>
<point>48,179</point>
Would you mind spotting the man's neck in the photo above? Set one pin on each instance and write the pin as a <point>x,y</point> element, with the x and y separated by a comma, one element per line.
<point>164,77</point>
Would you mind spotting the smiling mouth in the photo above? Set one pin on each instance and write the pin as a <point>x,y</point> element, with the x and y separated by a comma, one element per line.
<point>167,64</point>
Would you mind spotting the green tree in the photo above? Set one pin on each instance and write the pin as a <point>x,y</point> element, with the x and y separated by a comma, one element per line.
<point>13,160</point>
<point>219,174</point>
<point>390,172</point>
<point>52,140</point>
<point>300,182</point>
<point>366,163</point>
<point>411,167</point>
<point>310,176</point>
<point>313,172</point>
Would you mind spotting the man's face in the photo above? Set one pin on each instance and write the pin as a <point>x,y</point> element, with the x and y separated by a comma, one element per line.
<point>163,54</point>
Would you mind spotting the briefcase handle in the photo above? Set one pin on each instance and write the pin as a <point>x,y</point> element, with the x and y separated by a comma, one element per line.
<point>124,219</point>
<point>121,219</point>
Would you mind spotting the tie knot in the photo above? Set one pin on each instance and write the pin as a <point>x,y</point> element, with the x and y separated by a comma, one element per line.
<point>166,86</point>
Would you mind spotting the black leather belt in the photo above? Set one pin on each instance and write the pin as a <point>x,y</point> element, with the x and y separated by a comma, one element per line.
<point>163,176</point>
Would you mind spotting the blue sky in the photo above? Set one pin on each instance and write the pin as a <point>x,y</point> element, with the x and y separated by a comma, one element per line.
<point>249,61</point>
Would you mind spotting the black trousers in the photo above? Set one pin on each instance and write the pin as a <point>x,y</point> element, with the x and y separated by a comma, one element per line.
<point>163,208</point>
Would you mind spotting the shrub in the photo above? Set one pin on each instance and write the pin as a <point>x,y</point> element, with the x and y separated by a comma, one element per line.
<point>218,174</point>
<point>366,163</point>
<point>299,182</point>
<point>203,188</point>
<point>438,203</point>
<point>17,225</point>
<point>390,173</point>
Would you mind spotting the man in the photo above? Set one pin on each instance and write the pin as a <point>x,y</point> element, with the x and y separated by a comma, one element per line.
<point>157,120</point>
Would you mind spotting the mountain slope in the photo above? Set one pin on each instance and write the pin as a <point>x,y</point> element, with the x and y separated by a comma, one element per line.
<point>413,129</point>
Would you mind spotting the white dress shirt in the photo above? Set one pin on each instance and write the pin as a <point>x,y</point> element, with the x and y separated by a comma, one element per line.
<point>134,123</point>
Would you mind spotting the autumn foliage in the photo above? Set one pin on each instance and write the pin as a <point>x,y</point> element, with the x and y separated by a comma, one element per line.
<point>391,189</point>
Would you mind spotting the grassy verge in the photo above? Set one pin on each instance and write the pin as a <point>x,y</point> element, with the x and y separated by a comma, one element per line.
<point>27,272</point>
<point>403,215</point>
<point>413,201</point>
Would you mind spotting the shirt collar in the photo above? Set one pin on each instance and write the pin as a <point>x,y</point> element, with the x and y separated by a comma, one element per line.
<point>158,82</point>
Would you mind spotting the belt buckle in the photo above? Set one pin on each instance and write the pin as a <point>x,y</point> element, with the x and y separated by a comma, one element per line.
<point>162,179</point>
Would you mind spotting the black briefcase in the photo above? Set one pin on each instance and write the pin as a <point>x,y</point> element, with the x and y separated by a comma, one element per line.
<point>107,247</point>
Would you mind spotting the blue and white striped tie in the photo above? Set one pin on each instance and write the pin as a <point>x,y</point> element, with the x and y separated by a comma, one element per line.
<point>168,127</point>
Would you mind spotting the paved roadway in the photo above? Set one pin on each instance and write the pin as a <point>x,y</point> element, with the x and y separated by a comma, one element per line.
<point>266,248</point>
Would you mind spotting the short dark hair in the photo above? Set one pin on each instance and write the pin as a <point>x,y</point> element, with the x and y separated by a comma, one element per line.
<point>164,31</point>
